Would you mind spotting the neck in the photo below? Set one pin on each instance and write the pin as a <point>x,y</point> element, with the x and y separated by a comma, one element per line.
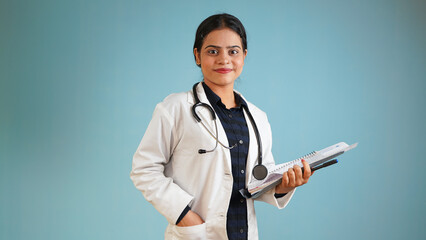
<point>226,93</point>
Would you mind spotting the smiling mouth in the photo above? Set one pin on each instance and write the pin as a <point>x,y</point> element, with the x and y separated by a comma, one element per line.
<point>223,70</point>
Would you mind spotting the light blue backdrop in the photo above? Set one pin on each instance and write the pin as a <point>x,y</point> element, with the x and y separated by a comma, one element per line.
<point>80,79</point>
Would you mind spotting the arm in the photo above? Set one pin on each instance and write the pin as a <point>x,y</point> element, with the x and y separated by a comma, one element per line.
<point>149,163</point>
<point>282,193</point>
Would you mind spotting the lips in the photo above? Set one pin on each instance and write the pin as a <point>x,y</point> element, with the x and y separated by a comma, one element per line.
<point>223,70</point>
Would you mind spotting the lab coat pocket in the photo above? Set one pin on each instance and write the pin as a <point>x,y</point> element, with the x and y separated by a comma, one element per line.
<point>197,232</point>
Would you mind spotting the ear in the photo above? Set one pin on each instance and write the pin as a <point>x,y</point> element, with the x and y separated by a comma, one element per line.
<point>245,53</point>
<point>197,57</point>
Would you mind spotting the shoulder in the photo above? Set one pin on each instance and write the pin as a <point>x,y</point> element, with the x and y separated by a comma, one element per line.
<point>259,115</point>
<point>254,108</point>
<point>173,105</point>
<point>174,100</point>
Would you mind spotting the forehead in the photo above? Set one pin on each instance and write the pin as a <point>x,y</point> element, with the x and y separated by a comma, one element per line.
<point>223,37</point>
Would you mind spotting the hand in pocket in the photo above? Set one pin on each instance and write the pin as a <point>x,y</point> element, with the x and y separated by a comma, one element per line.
<point>191,219</point>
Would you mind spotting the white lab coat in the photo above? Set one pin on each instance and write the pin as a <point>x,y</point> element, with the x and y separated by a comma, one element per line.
<point>171,174</point>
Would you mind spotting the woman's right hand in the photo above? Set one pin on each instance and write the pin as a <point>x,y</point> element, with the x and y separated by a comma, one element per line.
<point>190,219</point>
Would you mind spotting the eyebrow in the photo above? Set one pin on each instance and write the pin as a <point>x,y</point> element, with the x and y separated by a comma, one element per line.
<point>214,46</point>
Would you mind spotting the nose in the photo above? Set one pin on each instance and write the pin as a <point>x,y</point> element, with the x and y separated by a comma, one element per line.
<point>223,59</point>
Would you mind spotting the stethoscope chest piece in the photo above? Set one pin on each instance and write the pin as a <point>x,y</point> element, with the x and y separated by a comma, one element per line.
<point>260,172</point>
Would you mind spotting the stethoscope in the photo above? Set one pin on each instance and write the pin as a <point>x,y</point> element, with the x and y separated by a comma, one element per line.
<point>259,171</point>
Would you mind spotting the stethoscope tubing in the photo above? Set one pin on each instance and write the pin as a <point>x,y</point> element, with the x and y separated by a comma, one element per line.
<point>259,171</point>
<point>216,138</point>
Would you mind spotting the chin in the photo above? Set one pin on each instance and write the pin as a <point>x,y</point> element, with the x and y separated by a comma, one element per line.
<point>224,82</point>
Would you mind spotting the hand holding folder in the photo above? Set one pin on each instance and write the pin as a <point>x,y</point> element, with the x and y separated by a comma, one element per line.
<point>315,159</point>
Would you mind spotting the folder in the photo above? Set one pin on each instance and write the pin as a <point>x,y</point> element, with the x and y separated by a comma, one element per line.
<point>275,173</point>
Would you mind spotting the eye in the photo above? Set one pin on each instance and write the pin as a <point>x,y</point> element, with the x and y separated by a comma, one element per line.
<point>233,52</point>
<point>212,51</point>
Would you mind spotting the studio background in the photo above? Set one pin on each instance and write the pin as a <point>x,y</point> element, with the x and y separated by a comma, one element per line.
<point>80,80</point>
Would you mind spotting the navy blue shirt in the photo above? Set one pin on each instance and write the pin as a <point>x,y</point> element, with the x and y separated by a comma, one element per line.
<point>236,129</point>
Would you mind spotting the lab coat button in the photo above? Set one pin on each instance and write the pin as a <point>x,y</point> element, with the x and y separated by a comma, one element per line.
<point>242,171</point>
<point>241,142</point>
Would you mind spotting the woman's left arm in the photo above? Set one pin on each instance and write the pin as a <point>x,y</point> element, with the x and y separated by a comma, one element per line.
<point>285,189</point>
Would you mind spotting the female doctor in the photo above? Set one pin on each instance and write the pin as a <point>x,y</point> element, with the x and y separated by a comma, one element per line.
<point>201,146</point>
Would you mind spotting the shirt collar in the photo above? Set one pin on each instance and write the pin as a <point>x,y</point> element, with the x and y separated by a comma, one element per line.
<point>215,99</point>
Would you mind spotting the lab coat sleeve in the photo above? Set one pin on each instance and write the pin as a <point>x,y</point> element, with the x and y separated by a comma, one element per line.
<point>268,158</point>
<point>280,203</point>
<point>149,161</point>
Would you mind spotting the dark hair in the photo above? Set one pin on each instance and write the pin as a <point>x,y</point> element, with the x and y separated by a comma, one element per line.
<point>219,21</point>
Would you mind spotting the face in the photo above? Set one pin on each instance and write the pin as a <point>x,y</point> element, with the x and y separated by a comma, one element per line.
<point>221,57</point>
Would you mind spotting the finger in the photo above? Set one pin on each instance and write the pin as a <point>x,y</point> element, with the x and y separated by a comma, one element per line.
<point>291,177</point>
<point>306,170</point>
<point>299,174</point>
<point>285,180</point>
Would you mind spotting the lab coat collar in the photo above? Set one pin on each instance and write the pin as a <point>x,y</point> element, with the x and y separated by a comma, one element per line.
<point>203,98</point>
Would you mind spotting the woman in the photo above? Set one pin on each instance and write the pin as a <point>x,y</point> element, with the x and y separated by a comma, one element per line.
<point>192,169</point>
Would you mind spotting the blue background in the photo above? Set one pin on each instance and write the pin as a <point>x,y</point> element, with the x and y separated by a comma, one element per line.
<point>80,79</point>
